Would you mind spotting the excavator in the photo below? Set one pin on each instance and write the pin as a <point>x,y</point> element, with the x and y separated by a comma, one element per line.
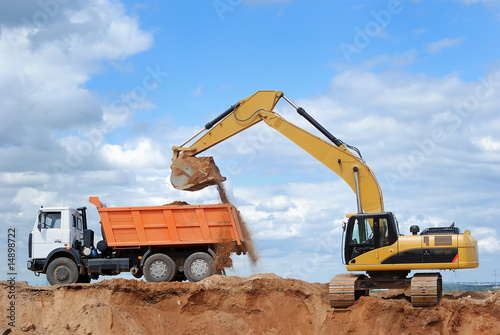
<point>372,243</point>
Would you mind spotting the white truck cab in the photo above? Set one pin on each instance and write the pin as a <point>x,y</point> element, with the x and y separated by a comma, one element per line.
<point>55,227</point>
<point>57,232</point>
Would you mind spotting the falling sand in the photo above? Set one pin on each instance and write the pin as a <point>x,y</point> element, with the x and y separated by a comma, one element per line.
<point>224,250</point>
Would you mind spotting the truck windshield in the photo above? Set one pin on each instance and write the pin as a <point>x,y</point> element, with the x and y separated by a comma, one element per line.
<point>49,220</point>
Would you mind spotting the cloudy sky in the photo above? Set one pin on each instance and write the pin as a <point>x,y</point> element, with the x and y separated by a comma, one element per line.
<point>95,93</point>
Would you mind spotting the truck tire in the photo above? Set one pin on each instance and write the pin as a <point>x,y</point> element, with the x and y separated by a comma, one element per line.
<point>198,266</point>
<point>62,271</point>
<point>159,267</point>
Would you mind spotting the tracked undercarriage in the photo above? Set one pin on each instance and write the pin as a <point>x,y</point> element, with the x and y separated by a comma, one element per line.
<point>345,289</point>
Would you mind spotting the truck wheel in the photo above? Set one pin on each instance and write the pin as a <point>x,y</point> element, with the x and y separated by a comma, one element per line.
<point>159,267</point>
<point>62,271</point>
<point>198,266</point>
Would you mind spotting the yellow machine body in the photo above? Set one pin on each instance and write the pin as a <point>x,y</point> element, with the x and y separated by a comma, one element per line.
<point>421,252</point>
<point>372,241</point>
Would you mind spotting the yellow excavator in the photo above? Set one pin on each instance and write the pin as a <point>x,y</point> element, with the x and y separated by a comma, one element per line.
<point>372,242</point>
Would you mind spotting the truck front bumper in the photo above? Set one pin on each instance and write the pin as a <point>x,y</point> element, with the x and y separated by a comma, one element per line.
<point>36,265</point>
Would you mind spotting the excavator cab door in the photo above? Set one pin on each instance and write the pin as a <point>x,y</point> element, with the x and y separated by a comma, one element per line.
<point>367,232</point>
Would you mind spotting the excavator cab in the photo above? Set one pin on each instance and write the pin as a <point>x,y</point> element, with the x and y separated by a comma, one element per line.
<point>367,232</point>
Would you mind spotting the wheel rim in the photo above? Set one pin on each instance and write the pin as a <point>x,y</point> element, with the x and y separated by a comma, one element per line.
<point>158,269</point>
<point>61,273</point>
<point>199,267</point>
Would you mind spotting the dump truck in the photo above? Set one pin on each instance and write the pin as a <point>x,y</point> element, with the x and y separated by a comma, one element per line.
<point>163,243</point>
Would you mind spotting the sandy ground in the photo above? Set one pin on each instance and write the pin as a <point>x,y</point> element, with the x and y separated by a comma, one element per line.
<point>260,304</point>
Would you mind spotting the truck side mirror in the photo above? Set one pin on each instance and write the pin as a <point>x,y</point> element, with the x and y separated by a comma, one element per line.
<point>39,226</point>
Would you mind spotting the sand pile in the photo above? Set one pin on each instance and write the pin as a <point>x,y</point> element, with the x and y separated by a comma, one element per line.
<point>194,173</point>
<point>260,304</point>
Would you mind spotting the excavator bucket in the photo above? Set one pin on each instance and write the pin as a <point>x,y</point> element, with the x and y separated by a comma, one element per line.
<point>194,173</point>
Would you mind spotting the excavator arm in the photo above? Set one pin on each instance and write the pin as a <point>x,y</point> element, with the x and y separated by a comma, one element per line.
<point>189,173</point>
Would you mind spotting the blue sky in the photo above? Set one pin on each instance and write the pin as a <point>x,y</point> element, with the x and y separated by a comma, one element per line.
<point>96,93</point>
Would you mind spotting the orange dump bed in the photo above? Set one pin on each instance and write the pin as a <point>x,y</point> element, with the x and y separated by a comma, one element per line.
<point>169,225</point>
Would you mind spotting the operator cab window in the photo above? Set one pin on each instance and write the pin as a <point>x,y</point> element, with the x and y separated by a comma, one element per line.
<point>368,233</point>
<point>49,220</point>
<point>384,232</point>
<point>362,232</point>
<point>362,237</point>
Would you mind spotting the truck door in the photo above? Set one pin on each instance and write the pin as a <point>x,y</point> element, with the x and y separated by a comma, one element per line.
<point>76,229</point>
<point>47,234</point>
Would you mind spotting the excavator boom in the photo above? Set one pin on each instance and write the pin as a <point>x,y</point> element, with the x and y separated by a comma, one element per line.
<point>191,174</point>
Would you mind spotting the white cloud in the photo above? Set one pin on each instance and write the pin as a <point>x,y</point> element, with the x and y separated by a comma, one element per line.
<point>46,64</point>
<point>24,178</point>
<point>487,239</point>
<point>28,198</point>
<point>276,203</point>
<point>445,43</point>
<point>138,154</point>
<point>489,144</point>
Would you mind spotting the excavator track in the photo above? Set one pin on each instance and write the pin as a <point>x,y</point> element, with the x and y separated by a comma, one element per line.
<point>342,290</point>
<point>426,289</point>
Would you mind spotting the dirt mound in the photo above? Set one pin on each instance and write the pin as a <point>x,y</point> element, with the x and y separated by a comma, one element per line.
<point>177,203</point>
<point>260,304</point>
